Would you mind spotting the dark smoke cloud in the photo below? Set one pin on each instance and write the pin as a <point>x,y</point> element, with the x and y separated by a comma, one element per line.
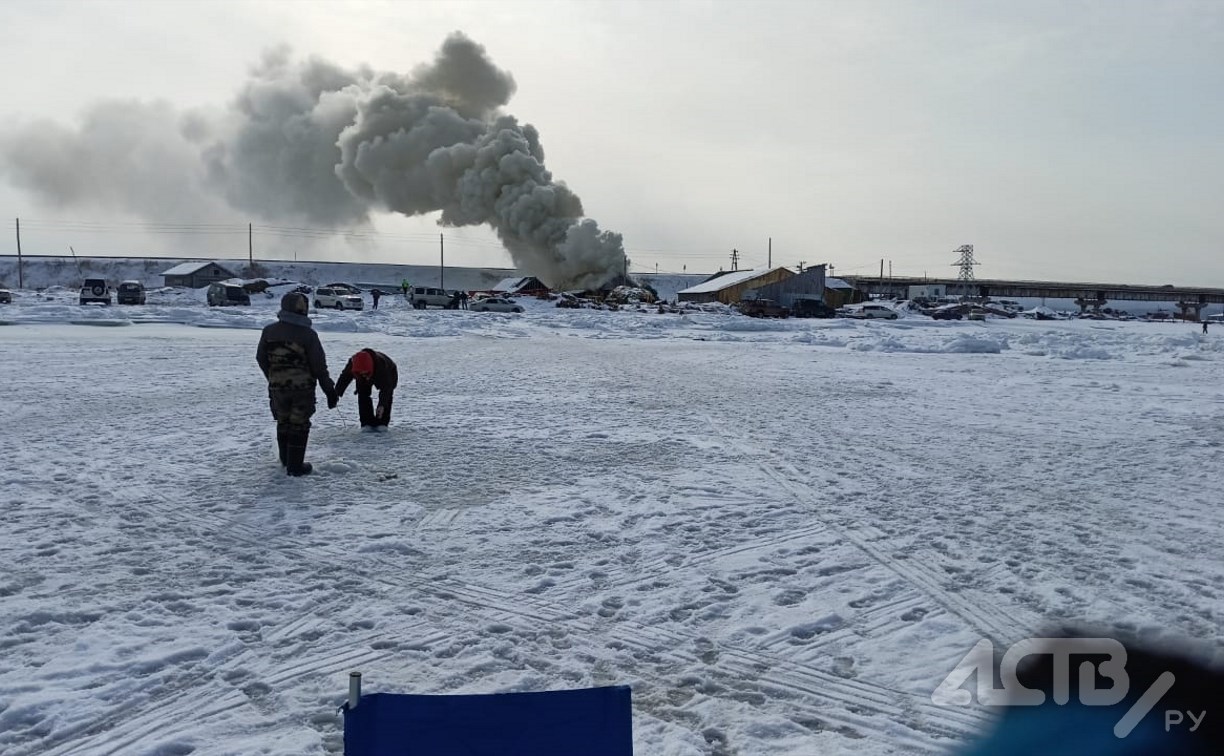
<point>310,141</point>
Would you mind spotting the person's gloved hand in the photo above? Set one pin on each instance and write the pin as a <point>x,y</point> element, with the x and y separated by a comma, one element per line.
<point>332,400</point>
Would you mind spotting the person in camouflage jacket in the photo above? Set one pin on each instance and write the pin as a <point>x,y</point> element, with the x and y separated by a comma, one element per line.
<point>292,359</point>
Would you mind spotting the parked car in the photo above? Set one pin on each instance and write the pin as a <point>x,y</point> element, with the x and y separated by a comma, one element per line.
<point>130,293</point>
<point>811,308</point>
<point>874,311</point>
<point>424,296</point>
<point>947,312</point>
<point>95,290</point>
<point>6,296</point>
<point>496,304</point>
<point>225,295</point>
<point>763,308</point>
<point>325,296</point>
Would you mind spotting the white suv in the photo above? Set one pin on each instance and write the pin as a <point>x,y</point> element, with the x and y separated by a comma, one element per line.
<point>423,296</point>
<point>95,290</point>
<point>340,300</point>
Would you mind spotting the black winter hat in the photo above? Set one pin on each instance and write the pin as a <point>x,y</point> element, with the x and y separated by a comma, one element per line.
<point>295,302</point>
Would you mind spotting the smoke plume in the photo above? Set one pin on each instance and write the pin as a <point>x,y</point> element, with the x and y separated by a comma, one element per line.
<point>312,142</point>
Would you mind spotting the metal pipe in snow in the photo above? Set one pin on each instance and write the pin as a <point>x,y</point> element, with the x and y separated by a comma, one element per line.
<point>354,689</point>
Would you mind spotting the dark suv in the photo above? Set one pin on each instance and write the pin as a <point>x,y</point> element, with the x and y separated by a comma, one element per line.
<point>811,308</point>
<point>130,293</point>
<point>224,294</point>
<point>763,308</point>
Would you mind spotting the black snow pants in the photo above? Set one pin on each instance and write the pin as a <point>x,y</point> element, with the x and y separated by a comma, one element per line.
<point>365,406</point>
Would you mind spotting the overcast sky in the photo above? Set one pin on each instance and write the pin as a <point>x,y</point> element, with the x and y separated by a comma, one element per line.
<point>1064,140</point>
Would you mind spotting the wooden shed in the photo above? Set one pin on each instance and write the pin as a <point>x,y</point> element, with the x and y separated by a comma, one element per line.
<point>731,286</point>
<point>196,275</point>
<point>839,293</point>
<point>527,286</point>
<point>810,284</point>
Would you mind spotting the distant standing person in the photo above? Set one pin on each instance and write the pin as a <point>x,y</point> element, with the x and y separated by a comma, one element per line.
<point>370,370</point>
<point>1204,326</point>
<point>292,359</point>
<point>405,286</point>
<point>375,294</point>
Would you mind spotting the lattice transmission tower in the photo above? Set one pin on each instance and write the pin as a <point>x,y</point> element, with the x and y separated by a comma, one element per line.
<point>966,262</point>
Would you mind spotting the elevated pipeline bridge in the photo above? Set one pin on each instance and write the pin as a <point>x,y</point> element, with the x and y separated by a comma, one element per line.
<point>1189,300</point>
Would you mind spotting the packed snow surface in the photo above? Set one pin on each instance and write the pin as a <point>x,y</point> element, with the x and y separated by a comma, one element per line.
<point>781,534</point>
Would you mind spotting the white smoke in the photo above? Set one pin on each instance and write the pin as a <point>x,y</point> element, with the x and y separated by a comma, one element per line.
<point>312,142</point>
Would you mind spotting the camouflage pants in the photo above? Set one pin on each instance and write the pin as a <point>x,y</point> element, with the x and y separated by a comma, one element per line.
<point>292,409</point>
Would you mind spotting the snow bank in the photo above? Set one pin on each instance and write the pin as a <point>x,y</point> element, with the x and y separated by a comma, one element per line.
<point>967,344</point>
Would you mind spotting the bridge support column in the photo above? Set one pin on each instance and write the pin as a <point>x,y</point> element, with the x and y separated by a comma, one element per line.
<point>1096,303</point>
<point>1190,310</point>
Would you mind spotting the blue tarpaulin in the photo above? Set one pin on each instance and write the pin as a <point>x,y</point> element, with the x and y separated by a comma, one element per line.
<point>587,722</point>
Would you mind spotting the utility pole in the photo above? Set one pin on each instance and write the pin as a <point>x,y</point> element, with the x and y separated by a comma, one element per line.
<point>441,261</point>
<point>250,249</point>
<point>770,258</point>
<point>735,259</point>
<point>20,279</point>
<point>801,264</point>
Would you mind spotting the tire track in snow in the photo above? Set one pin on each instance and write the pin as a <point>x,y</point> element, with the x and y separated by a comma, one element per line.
<point>831,689</point>
<point>127,729</point>
<point>658,566</point>
<point>989,620</point>
<point>993,623</point>
<point>736,668</point>
<point>121,729</point>
<point>785,676</point>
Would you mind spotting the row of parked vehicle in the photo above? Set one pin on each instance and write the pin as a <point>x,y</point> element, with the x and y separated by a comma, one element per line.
<point>338,296</point>
<point>342,296</point>
<point>813,308</point>
<point>97,290</point>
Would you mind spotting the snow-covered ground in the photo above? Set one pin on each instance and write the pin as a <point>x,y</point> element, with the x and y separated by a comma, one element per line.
<point>782,534</point>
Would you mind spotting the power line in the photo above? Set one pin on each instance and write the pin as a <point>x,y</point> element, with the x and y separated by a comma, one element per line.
<point>287,232</point>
